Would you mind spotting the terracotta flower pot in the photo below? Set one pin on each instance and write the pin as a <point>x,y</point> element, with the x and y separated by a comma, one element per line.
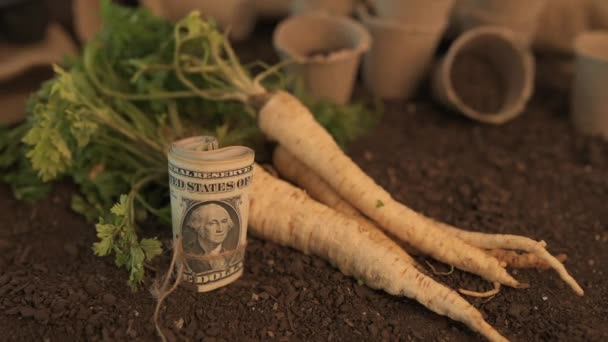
<point>15,59</point>
<point>272,8</point>
<point>521,9</point>
<point>486,75</point>
<point>400,55</point>
<point>589,100</point>
<point>599,10</point>
<point>337,7</point>
<point>237,15</point>
<point>325,52</point>
<point>431,13</point>
<point>521,16</point>
<point>560,23</point>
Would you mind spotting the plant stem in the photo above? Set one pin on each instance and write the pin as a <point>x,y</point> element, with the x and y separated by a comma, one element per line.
<point>89,55</point>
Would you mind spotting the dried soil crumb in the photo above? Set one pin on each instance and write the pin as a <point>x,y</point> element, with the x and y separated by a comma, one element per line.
<point>477,83</point>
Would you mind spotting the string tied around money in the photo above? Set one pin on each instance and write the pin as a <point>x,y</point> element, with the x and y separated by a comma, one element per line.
<point>161,290</point>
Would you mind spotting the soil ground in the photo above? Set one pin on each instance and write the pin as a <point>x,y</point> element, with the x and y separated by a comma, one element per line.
<point>534,176</point>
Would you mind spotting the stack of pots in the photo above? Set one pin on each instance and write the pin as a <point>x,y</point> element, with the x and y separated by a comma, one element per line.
<point>405,36</point>
<point>488,71</point>
<point>395,42</point>
<point>589,103</point>
<point>487,74</point>
<point>239,16</point>
<point>323,52</point>
<point>520,16</point>
<point>396,45</point>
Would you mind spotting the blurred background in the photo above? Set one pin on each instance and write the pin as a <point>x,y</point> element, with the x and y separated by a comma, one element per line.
<point>34,34</point>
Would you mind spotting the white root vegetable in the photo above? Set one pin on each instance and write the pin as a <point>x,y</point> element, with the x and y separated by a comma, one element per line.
<point>281,213</point>
<point>294,170</point>
<point>523,260</point>
<point>514,242</point>
<point>284,119</point>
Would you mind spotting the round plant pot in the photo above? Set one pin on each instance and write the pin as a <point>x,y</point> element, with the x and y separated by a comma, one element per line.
<point>239,16</point>
<point>486,75</point>
<point>589,100</point>
<point>522,9</point>
<point>16,59</point>
<point>324,52</point>
<point>16,83</point>
<point>337,7</point>
<point>524,28</point>
<point>431,13</point>
<point>400,55</point>
<point>600,14</point>
<point>560,23</point>
<point>272,8</point>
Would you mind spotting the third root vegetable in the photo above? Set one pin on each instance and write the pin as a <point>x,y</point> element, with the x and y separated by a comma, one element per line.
<point>284,214</point>
<point>499,245</point>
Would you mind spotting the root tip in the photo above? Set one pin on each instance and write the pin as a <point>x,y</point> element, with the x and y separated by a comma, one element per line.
<point>561,257</point>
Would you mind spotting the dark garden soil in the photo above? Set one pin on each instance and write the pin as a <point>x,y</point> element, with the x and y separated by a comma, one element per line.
<point>478,84</point>
<point>534,176</point>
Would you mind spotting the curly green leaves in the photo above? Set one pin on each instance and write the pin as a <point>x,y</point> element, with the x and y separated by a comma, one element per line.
<point>118,235</point>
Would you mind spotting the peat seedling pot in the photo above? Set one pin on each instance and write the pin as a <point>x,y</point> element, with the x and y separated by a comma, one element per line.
<point>272,8</point>
<point>599,10</point>
<point>400,55</point>
<point>589,100</point>
<point>486,75</point>
<point>509,8</point>
<point>16,83</point>
<point>337,7</point>
<point>15,59</point>
<point>323,51</point>
<point>521,16</point>
<point>239,16</point>
<point>559,24</point>
<point>431,13</point>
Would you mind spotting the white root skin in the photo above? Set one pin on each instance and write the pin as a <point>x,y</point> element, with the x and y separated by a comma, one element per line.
<point>515,242</point>
<point>294,170</point>
<point>284,119</point>
<point>281,213</point>
<point>523,260</point>
<point>486,294</point>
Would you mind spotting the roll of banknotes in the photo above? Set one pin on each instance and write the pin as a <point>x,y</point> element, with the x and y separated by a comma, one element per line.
<point>209,207</point>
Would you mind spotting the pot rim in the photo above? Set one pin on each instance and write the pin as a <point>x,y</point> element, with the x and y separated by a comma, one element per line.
<point>363,44</point>
<point>526,58</point>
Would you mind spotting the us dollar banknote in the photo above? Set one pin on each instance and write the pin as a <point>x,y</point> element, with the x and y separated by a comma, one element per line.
<point>210,206</point>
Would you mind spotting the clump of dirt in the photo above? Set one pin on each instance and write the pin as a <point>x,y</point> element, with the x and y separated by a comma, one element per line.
<point>536,177</point>
<point>478,83</point>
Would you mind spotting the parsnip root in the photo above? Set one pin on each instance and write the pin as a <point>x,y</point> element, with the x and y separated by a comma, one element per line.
<point>284,214</point>
<point>294,170</point>
<point>284,119</point>
<point>486,294</point>
<point>523,260</point>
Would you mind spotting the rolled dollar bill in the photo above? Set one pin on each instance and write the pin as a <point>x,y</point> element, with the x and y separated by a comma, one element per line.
<point>209,207</point>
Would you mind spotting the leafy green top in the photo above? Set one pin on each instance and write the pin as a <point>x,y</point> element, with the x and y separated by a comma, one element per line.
<point>107,118</point>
